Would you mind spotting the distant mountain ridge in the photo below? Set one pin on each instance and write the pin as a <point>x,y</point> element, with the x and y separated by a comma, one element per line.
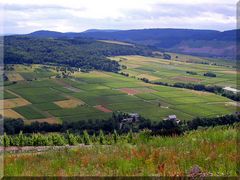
<point>211,43</point>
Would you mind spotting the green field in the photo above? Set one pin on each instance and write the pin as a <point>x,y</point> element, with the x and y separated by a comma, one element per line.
<point>175,70</point>
<point>111,91</point>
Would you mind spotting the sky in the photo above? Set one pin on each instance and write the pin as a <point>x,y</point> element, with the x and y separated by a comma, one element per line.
<point>24,16</point>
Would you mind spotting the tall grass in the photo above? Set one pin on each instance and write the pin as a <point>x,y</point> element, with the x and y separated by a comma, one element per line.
<point>214,150</point>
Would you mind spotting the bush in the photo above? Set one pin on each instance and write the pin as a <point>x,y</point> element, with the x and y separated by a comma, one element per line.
<point>191,72</point>
<point>58,140</point>
<point>6,140</point>
<point>101,137</point>
<point>86,138</point>
<point>210,74</point>
<point>167,56</point>
<point>71,139</point>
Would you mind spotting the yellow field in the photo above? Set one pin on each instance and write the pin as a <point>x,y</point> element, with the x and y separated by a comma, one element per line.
<point>117,42</point>
<point>9,113</point>
<point>196,92</point>
<point>12,103</point>
<point>51,120</point>
<point>150,77</point>
<point>230,72</point>
<point>14,76</point>
<point>236,104</point>
<point>71,103</point>
<point>92,73</point>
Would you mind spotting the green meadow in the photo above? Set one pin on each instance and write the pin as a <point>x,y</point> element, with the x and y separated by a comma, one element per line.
<point>114,92</point>
<point>175,70</point>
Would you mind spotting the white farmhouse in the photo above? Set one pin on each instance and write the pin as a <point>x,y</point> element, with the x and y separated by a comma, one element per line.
<point>233,90</point>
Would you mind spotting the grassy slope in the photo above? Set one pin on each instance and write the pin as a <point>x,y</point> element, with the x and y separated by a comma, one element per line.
<point>214,150</point>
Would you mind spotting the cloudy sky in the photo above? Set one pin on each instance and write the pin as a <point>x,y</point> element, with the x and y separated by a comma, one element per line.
<point>24,16</point>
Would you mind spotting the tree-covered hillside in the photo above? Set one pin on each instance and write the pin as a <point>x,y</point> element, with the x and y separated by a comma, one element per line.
<point>209,43</point>
<point>78,52</point>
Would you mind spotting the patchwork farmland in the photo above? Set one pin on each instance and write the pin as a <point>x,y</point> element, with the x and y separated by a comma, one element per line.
<point>39,96</point>
<point>184,69</point>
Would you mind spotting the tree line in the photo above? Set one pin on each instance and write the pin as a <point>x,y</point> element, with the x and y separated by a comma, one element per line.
<point>69,137</point>
<point>163,127</point>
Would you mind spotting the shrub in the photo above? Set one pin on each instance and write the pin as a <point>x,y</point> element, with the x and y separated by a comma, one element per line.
<point>71,139</point>
<point>210,74</point>
<point>6,140</point>
<point>86,138</point>
<point>101,137</point>
<point>167,56</point>
<point>58,140</point>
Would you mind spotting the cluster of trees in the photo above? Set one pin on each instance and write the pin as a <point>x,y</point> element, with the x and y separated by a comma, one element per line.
<point>165,127</point>
<point>167,56</point>
<point>210,74</point>
<point>191,72</point>
<point>14,126</point>
<point>208,122</point>
<point>79,52</point>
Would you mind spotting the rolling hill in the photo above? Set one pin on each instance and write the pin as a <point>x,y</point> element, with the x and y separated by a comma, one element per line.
<point>81,52</point>
<point>209,43</point>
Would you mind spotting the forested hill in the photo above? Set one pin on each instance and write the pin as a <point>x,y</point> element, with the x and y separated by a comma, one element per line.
<point>79,52</point>
<point>208,43</point>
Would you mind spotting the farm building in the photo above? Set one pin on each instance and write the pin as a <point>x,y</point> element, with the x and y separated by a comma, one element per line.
<point>233,90</point>
<point>134,115</point>
<point>172,118</point>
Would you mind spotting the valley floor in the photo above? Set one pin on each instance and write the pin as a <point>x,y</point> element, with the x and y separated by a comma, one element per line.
<point>34,93</point>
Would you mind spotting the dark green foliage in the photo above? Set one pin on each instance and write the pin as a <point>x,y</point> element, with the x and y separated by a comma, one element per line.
<point>210,74</point>
<point>71,139</point>
<point>145,80</point>
<point>191,72</point>
<point>21,139</point>
<point>207,122</point>
<point>13,126</point>
<point>173,40</point>
<point>6,140</point>
<point>84,53</point>
<point>164,128</point>
<point>101,137</point>
<point>167,56</point>
<point>86,138</point>
<point>58,140</point>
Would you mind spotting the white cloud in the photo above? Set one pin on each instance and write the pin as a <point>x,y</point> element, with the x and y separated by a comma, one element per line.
<point>77,15</point>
